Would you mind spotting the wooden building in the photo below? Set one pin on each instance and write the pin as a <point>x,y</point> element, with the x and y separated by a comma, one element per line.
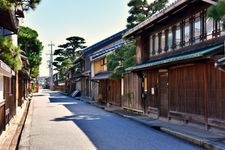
<point>58,82</point>
<point>177,50</point>
<point>109,91</point>
<point>8,78</point>
<point>79,76</point>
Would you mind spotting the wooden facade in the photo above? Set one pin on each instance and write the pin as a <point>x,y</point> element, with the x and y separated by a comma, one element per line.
<point>8,101</point>
<point>13,85</point>
<point>110,91</point>
<point>176,65</point>
<point>132,92</point>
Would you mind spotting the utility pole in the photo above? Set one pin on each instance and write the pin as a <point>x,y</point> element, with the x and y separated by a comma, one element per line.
<point>50,65</point>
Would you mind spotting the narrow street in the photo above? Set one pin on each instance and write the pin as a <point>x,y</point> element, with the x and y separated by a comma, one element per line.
<point>56,121</point>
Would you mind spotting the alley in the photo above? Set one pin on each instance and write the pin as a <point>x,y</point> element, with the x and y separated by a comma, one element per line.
<point>59,122</point>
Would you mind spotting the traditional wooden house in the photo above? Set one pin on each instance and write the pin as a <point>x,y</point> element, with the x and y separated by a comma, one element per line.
<point>74,76</point>
<point>177,49</point>
<point>24,80</point>
<point>58,82</point>
<point>69,83</point>
<point>108,91</point>
<point>80,73</point>
<point>8,80</point>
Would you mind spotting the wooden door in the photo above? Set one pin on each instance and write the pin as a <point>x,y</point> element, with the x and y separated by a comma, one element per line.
<point>114,92</point>
<point>103,90</point>
<point>163,94</point>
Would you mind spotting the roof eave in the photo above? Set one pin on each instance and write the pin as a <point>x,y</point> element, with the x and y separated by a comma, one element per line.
<point>142,25</point>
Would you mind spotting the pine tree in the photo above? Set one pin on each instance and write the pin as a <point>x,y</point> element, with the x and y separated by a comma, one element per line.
<point>217,11</point>
<point>29,42</point>
<point>67,53</point>
<point>26,4</point>
<point>141,9</point>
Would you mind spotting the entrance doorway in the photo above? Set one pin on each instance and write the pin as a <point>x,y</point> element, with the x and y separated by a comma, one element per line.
<point>163,94</point>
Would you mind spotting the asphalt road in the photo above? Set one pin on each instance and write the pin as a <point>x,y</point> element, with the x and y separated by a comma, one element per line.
<point>59,122</point>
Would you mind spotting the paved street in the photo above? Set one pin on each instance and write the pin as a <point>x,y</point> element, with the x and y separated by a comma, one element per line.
<point>59,122</point>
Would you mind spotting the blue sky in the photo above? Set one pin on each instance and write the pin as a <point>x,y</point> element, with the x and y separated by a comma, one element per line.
<point>94,20</point>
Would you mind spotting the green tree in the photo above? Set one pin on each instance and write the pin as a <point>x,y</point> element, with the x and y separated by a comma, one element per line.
<point>120,59</point>
<point>61,62</point>
<point>5,4</point>
<point>26,4</point>
<point>67,53</point>
<point>141,9</point>
<point>74,46</point>
<point>10,54</point>
<point>217,11</point>
<point>29,42</point>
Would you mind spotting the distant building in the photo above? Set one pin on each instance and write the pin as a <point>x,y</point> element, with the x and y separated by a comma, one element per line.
<point>42,81</point>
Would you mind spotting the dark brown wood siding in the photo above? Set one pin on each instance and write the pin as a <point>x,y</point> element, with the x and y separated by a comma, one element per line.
<point>110,91</point>
<point>186,89</point>
<point>114,92</point>
<point>132,92</point>
<point>216,91</point>
<point>152,79</point>
<point>102,91</point>
<point>198,91</point>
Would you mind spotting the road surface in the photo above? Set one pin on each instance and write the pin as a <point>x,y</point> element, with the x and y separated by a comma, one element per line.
<point>59,122</point>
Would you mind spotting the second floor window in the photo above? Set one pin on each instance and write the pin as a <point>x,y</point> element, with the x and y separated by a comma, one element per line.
<point>187,32</point>
<point>222,27</point>
<point>163,38</point>
<point>178,36</point>
<point>170,40</point>
<point>156,48</point>
<point>151,47</point>
<point>197,28</point>
<point>209,28</point>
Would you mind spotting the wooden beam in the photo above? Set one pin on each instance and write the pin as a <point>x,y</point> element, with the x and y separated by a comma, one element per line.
<point>210,2</point>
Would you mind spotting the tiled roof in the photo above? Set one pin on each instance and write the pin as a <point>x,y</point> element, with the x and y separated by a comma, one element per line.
<point>101,76</point>
<point>104,42</point>
<point>107,49</point>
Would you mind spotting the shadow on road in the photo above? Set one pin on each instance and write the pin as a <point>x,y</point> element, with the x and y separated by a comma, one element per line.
<point>108,131</point>
<point>86,117</point>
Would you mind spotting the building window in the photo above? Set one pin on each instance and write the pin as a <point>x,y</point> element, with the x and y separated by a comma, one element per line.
<point>178,36</point>
<point>170,40</point>
<point>197,28</point>
<point>159,42</point>
<point>151,45</point>
<point>222,27</point>
<point>209,28</point>
<point>166,40</point>
<point>103,62</point>
<point>156,44</point>
<point>163,41</point>
<point>187,32</point>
